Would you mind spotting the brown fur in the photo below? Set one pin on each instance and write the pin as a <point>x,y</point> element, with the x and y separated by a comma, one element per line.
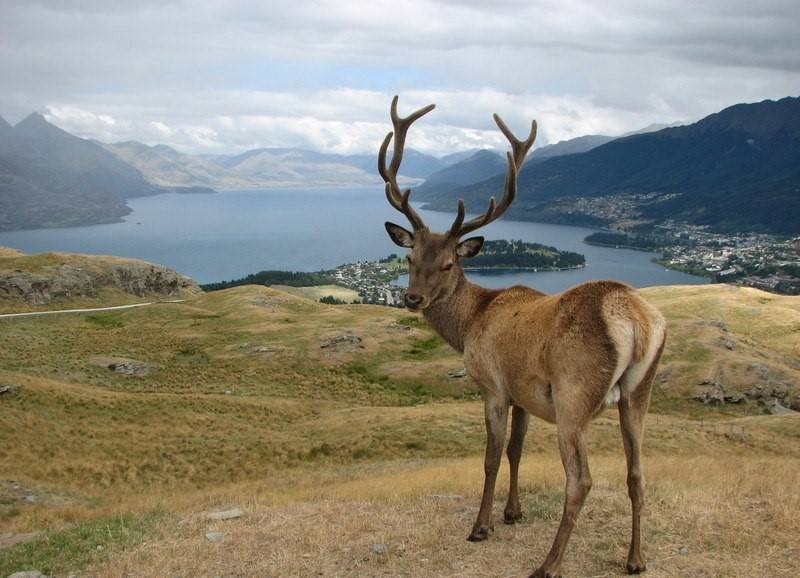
<point>553,357</point>
<point>558,357</point>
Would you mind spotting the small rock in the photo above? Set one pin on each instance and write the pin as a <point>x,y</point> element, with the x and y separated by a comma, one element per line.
<point>8,539</point>
<point>225,514</point>
<point>341,341</point>
<point>6,390</point>
<point>683,551</point>
<point>214,536</point>
<point>264,349</point>
<point>380,549</point>
<point>131,367</point>
<point>31,498</point>
<point>718,323</point>
<point>100,548</point>
<point>28,574</point>
<point>457,373</point>
<point>775,408</point>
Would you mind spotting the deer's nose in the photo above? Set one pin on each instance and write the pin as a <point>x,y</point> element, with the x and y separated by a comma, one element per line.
<point>413,300</point>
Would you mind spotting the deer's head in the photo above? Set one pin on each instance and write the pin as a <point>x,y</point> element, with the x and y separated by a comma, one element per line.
<point>433,263</point>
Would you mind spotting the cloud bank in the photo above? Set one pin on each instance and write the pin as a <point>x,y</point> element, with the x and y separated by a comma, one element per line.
<point>227,76</point>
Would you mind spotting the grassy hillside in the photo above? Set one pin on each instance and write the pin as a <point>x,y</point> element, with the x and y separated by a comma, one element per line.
<point>49,281</point>
<point>336,428</point>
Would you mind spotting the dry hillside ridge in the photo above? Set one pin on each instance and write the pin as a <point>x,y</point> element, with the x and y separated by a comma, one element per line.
<point>51,279</point>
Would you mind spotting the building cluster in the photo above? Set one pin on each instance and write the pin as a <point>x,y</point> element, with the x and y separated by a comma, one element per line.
<point>754,260</point>
<point>619,208</point>
<point>373,280</point>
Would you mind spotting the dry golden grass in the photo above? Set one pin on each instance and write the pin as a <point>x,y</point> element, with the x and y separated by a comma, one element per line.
<point>706,516</point>
<point>333,449</point>
<point>320,291</point>
<point>705,320</point>
<point>9,253</point>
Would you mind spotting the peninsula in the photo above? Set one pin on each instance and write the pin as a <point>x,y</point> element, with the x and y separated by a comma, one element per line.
<point>374,281</point>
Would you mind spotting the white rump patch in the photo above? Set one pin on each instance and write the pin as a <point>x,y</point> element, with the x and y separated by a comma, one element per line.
<point>612,397</point>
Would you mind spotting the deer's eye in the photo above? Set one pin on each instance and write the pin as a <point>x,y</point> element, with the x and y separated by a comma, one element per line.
<point>447,267</point>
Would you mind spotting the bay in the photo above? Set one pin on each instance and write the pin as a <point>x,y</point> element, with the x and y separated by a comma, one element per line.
<point>231,234</point>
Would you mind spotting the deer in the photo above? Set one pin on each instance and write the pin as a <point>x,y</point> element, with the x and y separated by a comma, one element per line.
<point>562,358</point>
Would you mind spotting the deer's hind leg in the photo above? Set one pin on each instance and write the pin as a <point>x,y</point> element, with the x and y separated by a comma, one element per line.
<point>519,427</point>
<point>633,404</point>
<point>575,400</point>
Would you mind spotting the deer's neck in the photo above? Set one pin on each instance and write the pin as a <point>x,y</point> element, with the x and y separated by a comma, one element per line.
<point>451,315</point>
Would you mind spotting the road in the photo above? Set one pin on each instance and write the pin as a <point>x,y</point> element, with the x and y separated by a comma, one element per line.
<point>91,310</point>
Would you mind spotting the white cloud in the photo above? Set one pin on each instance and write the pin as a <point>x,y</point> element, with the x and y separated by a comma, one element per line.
<point>236,74</point>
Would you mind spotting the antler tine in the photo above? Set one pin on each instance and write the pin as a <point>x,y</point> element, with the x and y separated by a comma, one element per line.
<point>399,200</point>
<point>519,147</point>
<point>515,157</point>
<point>456,226</point>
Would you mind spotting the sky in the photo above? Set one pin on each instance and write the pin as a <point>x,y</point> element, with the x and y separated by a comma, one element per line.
<point>226,76</point>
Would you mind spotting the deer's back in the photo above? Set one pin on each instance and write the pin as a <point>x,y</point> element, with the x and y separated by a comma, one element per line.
<point>527,342</point>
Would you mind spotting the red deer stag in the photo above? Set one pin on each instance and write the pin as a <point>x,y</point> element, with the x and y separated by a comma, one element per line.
<point>558,357</point>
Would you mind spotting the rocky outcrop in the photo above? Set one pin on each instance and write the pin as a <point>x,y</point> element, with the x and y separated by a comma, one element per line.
<point>42,278</point>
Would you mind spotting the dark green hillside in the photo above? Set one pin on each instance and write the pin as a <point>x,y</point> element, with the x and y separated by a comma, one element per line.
<point>738,169</point>
<point>473,169</point>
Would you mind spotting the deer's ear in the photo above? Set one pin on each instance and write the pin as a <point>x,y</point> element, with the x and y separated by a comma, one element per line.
<point>399,235</point>
<point>469,247</point>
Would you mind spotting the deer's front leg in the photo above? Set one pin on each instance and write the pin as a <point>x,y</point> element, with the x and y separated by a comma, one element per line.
<point>496,411</point>
<point>519,427</point>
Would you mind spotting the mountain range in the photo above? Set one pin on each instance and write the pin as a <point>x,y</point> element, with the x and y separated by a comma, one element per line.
<point>735,170</point>
<point>50,178</point>
<point>265,167</point>
<point>475,166</point>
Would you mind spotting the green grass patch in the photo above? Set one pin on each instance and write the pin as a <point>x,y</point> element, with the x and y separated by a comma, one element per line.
<point>77,547</point>
<point>192,356</point>
<point>424,347</point>
<point>697,354</point>
<point>412,321</point>
<point>105,320</point>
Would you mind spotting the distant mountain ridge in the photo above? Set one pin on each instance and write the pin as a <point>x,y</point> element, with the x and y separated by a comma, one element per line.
<point>265,167</point>
<point>467,169</point>
<point>49,178</point>
<point>735,170</point>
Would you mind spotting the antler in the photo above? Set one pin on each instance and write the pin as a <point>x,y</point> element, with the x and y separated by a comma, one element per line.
<point>398,199</point>
<point>516,157</point>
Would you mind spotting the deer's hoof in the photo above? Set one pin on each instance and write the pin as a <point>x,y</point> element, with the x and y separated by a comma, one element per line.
<point>511,517</point>
<point>635,567</point>
<point>479,534</point>
<point>542,573</point>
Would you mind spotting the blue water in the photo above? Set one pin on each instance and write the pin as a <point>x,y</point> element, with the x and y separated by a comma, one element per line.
<point>231,234</point>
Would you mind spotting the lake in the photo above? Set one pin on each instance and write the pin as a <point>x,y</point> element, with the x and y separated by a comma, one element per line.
<point>228,235</point>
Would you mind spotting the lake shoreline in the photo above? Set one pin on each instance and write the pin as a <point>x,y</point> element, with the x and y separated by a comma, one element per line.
<point>231,234</point>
